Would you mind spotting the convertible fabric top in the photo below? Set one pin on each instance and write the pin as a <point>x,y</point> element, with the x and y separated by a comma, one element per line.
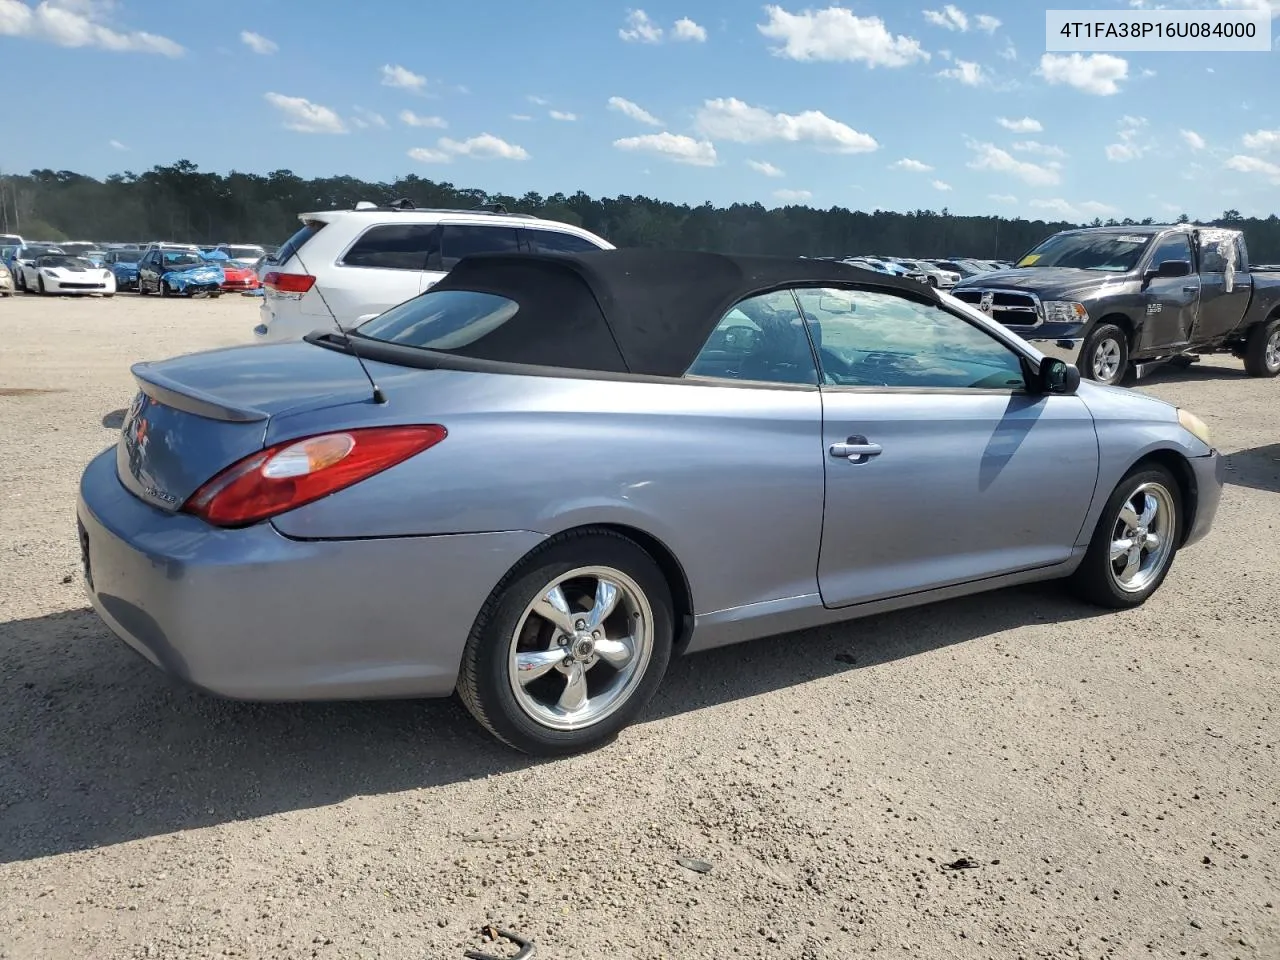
<point>640,311</point>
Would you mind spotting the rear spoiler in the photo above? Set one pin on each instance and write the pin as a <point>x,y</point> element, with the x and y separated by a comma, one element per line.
<point>171,393</point>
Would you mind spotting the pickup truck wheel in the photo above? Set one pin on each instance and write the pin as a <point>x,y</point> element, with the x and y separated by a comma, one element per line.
<point>1262,349</point>
<point>1135,541</point>
<point>1105,355</point>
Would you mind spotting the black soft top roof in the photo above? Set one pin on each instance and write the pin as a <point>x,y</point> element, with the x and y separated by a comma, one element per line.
<point>640,311</point>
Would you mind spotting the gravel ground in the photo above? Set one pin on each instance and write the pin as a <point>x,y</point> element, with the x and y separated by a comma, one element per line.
<point>1107,783</point>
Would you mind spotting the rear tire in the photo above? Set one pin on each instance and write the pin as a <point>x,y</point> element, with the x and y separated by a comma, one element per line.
<point>570,694</point>
<point>162,288</point>
<point>1105,355</point>
<point>1135,541</point>
<point>1262,349</point>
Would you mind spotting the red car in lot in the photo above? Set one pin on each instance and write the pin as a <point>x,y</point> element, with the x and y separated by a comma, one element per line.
<point>240,276</point>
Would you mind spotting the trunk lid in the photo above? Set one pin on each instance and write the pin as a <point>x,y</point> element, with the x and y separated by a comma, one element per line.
<point>196,415</point>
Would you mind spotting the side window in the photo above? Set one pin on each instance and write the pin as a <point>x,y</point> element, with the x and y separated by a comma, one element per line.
<point>761,339</point>
<point>393,246</point>
<point>1174,247</point>
<point>463,240</point>
<point>868,339</point>
<point>552,241</point>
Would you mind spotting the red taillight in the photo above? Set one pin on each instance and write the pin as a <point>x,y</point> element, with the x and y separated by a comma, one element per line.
<point>289,282</point>
<point>296,472</point>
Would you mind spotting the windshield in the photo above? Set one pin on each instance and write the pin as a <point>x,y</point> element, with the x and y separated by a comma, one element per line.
<point>34,253</point>
<point>242,253</point>
<point>60,260</point>
<point>1105,252</point>
<point>126,256</point>
<point>444,320</point>
<point>77,248</point>
<point>182,258</point>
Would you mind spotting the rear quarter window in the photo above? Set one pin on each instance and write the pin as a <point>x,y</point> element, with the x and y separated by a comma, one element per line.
<point>466,239</point>
<point>394,246</point>
<point>554,241</point>
<point>443,320</point>
<point>298,240</point>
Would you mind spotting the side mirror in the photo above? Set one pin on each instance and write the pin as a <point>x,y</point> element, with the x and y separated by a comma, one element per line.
<point>1058,376</point>
<point>1168,270</point>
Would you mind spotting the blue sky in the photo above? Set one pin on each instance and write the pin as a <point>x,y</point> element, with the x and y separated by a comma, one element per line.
<point>897,105</point>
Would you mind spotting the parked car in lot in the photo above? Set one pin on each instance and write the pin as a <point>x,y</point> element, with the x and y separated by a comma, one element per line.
<point>271,525</point>
<point>935,276</point>
<point>1121,299</point>
<point>26,256</point>
<point>361,262</point>
<point>123,264</point>
<point>173,270</point>
<point>59,273</point>
<point>239,276</point>
<point>6,280</point>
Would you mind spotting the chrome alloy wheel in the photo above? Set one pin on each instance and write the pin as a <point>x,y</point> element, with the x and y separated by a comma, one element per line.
<point>1272,354</point>
<point>1106,360</point>
<point>1142,538</point>
<point>581,648</point>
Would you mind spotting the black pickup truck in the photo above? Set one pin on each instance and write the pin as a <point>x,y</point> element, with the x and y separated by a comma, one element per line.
<point>1119,300</point>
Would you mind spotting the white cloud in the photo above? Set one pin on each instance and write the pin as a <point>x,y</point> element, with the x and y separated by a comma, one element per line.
<point>1193,139</point>
<point>836,34</point>
<point>257,42</point>
<point>1025,125</point>
<point>537,101</point>
<point>990,157</point>
<point>1147,73</point>
<point>633,110</point>
<point>966,72</point>
<point>1038,148</point>
<point>640,29</point>
<point>686,29</point>
<point>1010,52</point>
<point>763,166</point>
<point>1128,148</point>
<point>483,147</point>
<point>398,76</point>
<point>116,144</point>
<point>1090,208</point>
<point>988,23</point>
<point>906,163</point>
<point>793,196</point>
<point>367,118</point>
<point>1256,165</point>
<point>67,23</point>
<point>1262,140</point>
<point>522,117</point>
<point>950,17</point>
<point>672,146</point>
<point>409,118</point>
<point>941,185</point>
<point>1098,73</point>
<point>304,116</point>
<point>731,119</point>
<point>562,115</point>
<point>1002,197</point>
<point>1123,152</point>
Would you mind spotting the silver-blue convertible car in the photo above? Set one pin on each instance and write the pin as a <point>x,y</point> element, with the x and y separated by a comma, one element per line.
<point>536,483</point>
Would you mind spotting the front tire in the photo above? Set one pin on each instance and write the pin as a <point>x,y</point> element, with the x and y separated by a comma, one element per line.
<point>40,286</point>
<point>1105,355</point>
<point>1135,541</point>
<point>1262,349</point>
<point>162,288</point>
<point>570,646</point>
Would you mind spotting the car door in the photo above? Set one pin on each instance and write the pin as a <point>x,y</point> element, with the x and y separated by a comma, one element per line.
<point>1170,303</point>
<point>1225,285</point>
<point>942,466</point>
<point>149,270</point>
<point>382,267</point>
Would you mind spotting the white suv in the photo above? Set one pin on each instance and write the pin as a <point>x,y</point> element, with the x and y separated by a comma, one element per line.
<point>369,259</point>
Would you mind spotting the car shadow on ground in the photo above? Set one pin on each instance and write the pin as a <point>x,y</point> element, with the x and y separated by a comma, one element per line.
<point>1257,467</point>
<point>98,748</point>
<point>115,419</point>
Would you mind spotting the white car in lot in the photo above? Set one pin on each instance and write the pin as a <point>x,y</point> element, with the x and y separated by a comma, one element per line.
<point>364,261</point>
<point>57,273</point>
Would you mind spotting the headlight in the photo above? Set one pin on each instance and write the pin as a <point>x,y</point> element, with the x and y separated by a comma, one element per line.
<point>1064,311</point>
<point>49,273</point>
<point>1194,426</point>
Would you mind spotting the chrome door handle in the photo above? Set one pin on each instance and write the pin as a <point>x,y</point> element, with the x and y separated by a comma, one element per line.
<point>1190,289</point>
<point>856,450</point>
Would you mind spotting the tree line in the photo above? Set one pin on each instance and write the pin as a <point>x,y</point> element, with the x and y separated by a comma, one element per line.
<point>180,202</point>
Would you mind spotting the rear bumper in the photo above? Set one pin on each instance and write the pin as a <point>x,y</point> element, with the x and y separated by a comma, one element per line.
<point>1210,474</point>
<point>252,614</point>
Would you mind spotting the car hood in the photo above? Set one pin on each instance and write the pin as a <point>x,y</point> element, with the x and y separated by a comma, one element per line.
<point>1121,403</point>
<point>1047,282</point>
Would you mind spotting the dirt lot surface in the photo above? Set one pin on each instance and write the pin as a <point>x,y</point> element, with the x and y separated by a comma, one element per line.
<point>1106,784</point>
